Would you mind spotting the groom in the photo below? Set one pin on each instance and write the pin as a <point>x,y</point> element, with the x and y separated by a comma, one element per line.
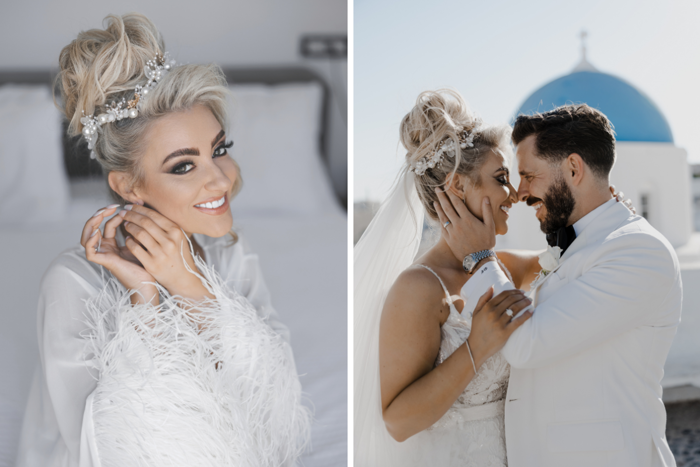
<point>586,368</point>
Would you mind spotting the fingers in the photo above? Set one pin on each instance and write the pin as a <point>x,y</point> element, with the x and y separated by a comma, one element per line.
<point>487,212</point>
<point>94,222</point>
<point>513,302</point>
<point>111,226</point>
<point>145,222</point>
<point>483,299</point>
<point>160,220</point>
<point>90,244</point>
<point>516,308</point>
<point>441,216</point>
<point>142,235</point>
<point>446,205</point>
<point>137,250</point>
<point>517,322</point>
<point>459,206</point>
<point>497,302</point>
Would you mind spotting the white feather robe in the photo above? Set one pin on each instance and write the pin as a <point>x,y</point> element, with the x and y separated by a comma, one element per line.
<point>123,385</point>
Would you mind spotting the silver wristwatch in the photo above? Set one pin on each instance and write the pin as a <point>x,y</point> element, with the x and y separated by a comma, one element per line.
<point>470,261</point>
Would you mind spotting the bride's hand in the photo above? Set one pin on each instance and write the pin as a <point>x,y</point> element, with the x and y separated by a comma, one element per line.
<point>492,326</point>
<point>117,260</point>
<point>465,234</point>
<point>160,244</point>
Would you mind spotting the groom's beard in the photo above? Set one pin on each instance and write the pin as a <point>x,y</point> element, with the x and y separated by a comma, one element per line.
<point>559,203</point>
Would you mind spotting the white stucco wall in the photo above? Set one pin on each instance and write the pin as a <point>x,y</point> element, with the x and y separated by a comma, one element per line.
<point>661,171</point>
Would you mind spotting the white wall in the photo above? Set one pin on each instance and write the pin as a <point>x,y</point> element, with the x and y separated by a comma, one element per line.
<point>228,32</point>
<point>661,171</point>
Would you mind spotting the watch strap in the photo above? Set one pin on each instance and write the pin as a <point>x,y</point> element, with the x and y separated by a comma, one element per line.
<point>478,256</point>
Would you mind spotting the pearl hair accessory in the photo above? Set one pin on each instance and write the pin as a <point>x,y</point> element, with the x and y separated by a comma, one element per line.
<point>447,147</point>
<point>154,70</point>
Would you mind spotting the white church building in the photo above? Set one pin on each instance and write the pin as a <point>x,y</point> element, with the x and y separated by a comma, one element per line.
<point>652,172</point>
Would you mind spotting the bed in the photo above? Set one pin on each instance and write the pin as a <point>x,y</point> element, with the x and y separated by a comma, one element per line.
<point>287,212</point>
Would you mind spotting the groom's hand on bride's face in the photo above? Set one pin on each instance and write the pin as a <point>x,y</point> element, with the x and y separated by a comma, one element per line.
<point>465,233</point>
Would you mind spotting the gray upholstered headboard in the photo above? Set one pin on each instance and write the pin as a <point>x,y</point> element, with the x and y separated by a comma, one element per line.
<point>76,155</point>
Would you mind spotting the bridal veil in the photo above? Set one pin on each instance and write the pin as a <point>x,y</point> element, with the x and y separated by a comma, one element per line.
<point>387,247</point>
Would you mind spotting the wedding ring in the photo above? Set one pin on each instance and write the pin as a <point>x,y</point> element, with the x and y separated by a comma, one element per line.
<point>444,226</point>
<point>509,312</point>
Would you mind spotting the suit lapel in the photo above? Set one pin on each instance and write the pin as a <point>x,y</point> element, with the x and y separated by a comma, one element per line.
<point>595,232</point>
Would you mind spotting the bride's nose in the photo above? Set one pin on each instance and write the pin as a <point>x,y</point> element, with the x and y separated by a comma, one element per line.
<point>217,180</point>
<point>513,194</point>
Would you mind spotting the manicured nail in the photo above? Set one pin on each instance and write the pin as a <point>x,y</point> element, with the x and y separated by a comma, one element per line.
<point>122,213</point>
<point>139,202</point>
<point>112,206</point>
<point>93,234</point>
<point>126,223</point>
<point>127,237</point>
<point>99,212</point>
<point>488,202</point>
<point>128,207</point>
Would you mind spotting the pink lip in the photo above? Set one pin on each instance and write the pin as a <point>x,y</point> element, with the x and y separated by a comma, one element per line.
<point>216,211</point>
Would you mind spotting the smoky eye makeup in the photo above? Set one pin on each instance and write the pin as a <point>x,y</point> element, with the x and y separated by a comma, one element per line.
<point>502,175</point>
<point>223,148</point>
<point>186,166</point>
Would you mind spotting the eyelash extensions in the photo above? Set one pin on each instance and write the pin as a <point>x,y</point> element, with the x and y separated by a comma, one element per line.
<point>177,169</point>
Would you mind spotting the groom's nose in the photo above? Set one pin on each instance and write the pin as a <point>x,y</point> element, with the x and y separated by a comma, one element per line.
<point>523,190</point>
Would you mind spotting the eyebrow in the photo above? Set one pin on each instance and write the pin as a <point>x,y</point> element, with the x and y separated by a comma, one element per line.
<point>218,137</point>
<point>192,151</point>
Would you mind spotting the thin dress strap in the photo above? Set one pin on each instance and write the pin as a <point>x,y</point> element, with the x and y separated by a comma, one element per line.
<point>447,294</point>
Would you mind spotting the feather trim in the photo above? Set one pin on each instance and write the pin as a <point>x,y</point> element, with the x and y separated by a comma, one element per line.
<point>171,394</point>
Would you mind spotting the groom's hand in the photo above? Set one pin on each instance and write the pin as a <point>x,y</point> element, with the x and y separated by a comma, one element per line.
<point>465,233</point>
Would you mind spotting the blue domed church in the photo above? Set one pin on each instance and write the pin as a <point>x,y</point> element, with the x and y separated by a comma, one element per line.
<point>651,171</point>
<point>635,117</point>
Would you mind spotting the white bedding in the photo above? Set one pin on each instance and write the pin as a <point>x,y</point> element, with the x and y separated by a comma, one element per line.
<point>304,261</point>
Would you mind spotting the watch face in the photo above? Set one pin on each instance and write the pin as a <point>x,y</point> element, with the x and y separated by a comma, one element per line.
<point>468,263</point>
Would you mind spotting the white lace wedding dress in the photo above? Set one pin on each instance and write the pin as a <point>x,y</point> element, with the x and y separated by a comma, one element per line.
<point>472,431</point>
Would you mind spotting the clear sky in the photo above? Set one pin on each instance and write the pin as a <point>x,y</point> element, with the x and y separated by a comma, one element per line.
<point>496,53</point>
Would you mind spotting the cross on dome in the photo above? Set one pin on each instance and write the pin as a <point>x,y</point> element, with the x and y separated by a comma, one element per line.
<point>584,64</point>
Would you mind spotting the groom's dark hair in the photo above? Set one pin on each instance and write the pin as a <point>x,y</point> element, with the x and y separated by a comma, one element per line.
<point>570,129</point>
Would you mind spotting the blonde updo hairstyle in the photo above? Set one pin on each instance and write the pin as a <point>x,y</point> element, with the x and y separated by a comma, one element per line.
<point>104,66</point>
<point>437,116</point>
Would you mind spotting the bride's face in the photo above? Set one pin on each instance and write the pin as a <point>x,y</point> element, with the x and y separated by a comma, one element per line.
<point>495,184</point>
<point>186,167</point>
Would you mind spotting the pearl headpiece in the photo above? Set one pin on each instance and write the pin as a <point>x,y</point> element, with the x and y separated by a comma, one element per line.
<point>154,70</point>
<point>446,147</point>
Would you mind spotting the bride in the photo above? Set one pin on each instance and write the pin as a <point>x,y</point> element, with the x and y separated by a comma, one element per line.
<point>157,339</point>
<point>430,382</point>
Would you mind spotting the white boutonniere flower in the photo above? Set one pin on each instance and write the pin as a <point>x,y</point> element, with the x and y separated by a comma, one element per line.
<point>548,260</point>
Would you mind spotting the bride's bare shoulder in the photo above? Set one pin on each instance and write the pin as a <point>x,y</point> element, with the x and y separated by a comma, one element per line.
<point>416,292</point>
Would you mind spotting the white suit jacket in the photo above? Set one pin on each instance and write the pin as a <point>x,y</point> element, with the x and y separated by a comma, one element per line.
<point>586,368</point>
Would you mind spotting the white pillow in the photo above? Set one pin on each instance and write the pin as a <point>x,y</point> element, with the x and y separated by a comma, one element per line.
<point>276,131</point>
<point>33,183</point>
